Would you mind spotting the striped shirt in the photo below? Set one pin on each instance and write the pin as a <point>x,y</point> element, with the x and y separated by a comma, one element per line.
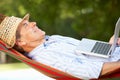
<point>59,52</point>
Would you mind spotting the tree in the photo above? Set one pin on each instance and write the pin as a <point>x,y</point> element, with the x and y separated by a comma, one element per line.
<point>77,18</point>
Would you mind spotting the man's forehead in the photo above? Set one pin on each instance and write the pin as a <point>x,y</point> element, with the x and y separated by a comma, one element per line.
<point>24,21</point>
<point>20,27</point>
<point>21,24</point>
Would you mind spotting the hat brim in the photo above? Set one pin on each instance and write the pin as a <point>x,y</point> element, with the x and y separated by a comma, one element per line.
<point>26,17</point>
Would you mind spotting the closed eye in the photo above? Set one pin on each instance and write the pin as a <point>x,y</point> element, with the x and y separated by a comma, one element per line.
<point>25,24</point>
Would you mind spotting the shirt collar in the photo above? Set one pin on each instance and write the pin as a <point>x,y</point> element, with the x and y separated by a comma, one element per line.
<point>47,37</point>
<point>40,47</point>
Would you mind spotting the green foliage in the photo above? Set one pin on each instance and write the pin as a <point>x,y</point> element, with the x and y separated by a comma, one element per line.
<point>76,18</point>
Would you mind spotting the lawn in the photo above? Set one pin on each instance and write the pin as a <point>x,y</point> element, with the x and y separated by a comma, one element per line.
<point>13,66</point>
<point>20,71</point>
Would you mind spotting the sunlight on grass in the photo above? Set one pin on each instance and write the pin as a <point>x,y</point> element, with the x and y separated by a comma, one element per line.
<point>13,66</point>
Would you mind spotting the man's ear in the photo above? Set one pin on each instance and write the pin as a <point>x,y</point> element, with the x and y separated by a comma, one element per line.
<point>20,43</point>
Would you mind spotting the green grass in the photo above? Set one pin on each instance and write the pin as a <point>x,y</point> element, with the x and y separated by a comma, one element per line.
<point>13,66</point>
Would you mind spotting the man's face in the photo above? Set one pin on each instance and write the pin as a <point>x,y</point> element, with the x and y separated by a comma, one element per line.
<point>29,32</point>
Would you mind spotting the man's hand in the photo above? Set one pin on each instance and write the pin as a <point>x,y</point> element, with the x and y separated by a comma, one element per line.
<point>112,40</point>
<point>118,41</point>
<point>110,67</point>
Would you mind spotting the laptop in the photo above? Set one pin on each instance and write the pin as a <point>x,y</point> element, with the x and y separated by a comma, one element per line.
<point>99,48</point>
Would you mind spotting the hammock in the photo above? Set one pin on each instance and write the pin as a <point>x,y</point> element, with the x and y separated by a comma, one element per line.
<point>47,70</point>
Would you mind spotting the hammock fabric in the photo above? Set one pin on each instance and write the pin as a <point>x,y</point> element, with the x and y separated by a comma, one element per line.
<point>47,70</point>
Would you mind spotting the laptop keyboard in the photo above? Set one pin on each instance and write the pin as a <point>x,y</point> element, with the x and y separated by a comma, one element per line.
<point>101,48</point>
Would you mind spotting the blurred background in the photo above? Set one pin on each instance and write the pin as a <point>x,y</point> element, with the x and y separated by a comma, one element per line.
<point>93,19</point>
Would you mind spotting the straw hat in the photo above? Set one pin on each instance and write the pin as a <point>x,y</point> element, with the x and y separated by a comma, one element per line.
<point>8,28</point>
